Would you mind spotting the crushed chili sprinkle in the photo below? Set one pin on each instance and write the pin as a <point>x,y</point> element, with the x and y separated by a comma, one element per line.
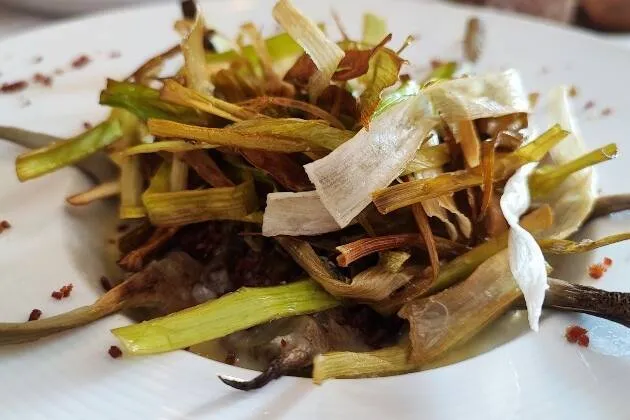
<point>35,315</point>
<point>589,105</point>
<point>4,225</point>
<point>87,125</point>
<point>597,270</point>
<point>42,79</point>
<point>64,292</point>
<point>115,352</point>
<point>574,334</point>
<point>583,340</point>
<point>607,111</point>
<point>13,86</point>
<point>80,61</point>
<point>107,286</point>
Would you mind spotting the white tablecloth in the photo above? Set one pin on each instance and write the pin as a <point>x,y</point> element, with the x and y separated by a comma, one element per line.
<point>14,21</point>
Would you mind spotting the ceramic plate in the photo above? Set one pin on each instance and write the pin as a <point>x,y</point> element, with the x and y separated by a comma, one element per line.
<point>535,375</point>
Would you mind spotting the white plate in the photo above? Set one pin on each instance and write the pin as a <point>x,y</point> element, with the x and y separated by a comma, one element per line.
<point>71,376</point>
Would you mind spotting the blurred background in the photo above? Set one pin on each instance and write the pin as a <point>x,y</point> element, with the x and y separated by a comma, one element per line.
<point>600,15</point>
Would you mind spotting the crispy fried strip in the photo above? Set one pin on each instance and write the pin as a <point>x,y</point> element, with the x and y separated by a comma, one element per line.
<point>262,102</point>
<point>206,168</point>
<point>358,249</point>
<point>425,230</point>
<point>487,169</point>
<point>462,266</point>
<point>281,167</point>
<point>373,284</point>
<point>135,260</point>
<point>104,190</point>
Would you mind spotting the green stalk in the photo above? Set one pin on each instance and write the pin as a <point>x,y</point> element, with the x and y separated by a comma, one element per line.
<point>397,196</point>
<point>347,364</point>
<point>444,71</point>
<point>280,47</point>
<point>42,161</point>
<point>145,103</point>
<point>233,312</point>
<point>545,180</point>
<point>564,247</point>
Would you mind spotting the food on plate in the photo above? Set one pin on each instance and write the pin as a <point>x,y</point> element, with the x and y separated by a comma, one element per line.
<point>306,204</point>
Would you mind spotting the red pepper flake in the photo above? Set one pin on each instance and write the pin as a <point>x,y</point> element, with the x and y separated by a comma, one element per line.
<point>80,61</point>
<point>573,91</point>
<point>115,352</point>
<point>583,340</point>
<point>574,334</point>
<point>13,86</point>
<point>589,105</point>
<point>606,112</point>
<point>597,270</point>
<point>114,54</point>
<point>4,225</point>
<point>87,125</point>
<point>42,79</point>
<point>64,292</point>
<point>107,286</point>
<point>35,315</point>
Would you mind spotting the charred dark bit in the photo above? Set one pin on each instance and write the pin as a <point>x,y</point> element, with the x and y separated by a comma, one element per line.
<point>614,306</point>
<point>189,9</point>
<point>291,344</point>
<point>273,371</point>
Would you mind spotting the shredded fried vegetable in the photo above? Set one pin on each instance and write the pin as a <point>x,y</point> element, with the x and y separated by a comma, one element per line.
<point>420,210</point>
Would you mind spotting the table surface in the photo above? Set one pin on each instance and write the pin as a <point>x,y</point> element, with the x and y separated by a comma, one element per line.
<point>14,21</point>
